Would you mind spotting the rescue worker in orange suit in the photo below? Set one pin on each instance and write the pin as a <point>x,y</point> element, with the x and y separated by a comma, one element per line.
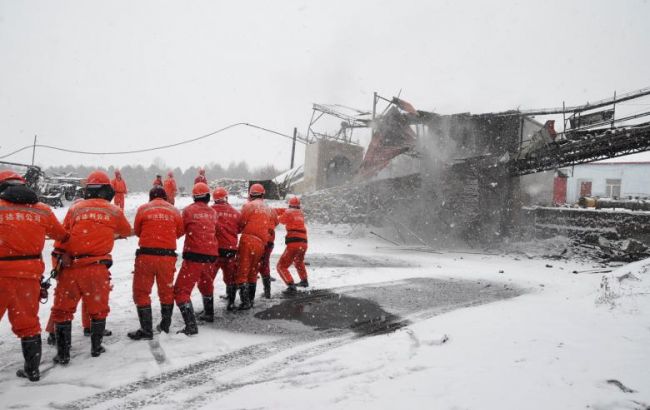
<point>57,254</point>
<point>93,224</point>
<point>158,181</point>
<point>265,263</point>
<point>119,187</point>
<point>199,252</point>
<point>158,224</point>
<point>24,223</point>
<point>201,177</point>
<point>256,223</point>
<point>296,241</point>
<point>227,231</point>
<point>170,188</point>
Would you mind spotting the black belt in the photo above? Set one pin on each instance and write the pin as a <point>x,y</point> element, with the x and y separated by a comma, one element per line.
<point>199,257</point>
<point>297,230</point>
<point>227,253</point>
<point>19,258</point>
<point>156,252</point>
<point>294,240</point>
<point>106,262</point>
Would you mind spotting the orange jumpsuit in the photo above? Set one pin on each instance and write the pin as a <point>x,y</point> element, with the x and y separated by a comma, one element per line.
<point>296,241</point>
<point>265,263</point>
<point>119,186</point>
<point>85,317</point>
<point>226,231</point>
<point>200,249</point>
<point>158,224</point>
<point>170,189</point>
<point>257,222</point>
<point>23,228</point>
<point>92,225</point>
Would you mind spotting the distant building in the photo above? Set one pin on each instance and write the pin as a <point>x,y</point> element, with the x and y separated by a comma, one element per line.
<point>598,179</point>
<point>608,180</point>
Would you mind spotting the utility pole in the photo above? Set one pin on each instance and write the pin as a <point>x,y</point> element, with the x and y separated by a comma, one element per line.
<point>293,146</point>
<point>34,150</point>
<point>374,105</point>
<point>614,111</point>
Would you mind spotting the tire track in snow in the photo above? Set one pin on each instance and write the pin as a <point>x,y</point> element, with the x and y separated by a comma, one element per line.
<point>171,382</point>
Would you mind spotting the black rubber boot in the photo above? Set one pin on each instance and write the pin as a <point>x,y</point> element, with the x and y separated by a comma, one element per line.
<point>51,339</point>
<point>208,309</point>
<point>97,327</point>
<point>252,288</point>
<point>106,332</point>
<point>243,297</point>
<point>63,332</point>
<point>303,283</point>
<point>231,294</point>
<point>32,354</point>
<point>187,310</point>
<point>266,281</point>
<point>146,325</point>
<point>166,318</point>
<point>290,290</point>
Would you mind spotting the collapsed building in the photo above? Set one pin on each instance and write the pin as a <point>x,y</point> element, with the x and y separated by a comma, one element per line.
<point>463,177</point>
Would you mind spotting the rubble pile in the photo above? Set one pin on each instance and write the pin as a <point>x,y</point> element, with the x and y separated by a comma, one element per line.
<point>601,235</point>
<point>367,202</point>
<point>612,250</point>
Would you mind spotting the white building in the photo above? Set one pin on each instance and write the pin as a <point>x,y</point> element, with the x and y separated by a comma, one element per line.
<point>608,179</point>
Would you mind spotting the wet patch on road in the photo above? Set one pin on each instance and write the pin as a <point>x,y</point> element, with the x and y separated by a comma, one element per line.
<point>380,308</point>
<point>325,310</point>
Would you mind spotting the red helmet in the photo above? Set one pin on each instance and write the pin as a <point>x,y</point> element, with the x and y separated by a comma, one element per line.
<point>98,178</point>
<point>294,201</point>
<point>200,189</point>
<point>219,194</point>
<point>10,176</point>
<point>256,189</point>
<point>170,174</point>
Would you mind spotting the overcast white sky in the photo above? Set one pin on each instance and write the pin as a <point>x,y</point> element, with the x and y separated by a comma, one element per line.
<point>119,75</point>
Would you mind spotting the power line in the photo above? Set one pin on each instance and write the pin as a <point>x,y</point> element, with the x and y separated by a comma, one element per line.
<point>73,151</point>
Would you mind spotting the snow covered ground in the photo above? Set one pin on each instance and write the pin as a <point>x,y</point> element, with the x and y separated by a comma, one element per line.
<point>568,341</point>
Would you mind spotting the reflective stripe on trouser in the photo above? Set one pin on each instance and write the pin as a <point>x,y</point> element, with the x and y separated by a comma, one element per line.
<point>251,250</point>
<point>188,276</point>
<point>92,283</point>
<point>19,298</point>
<point>150,268</point>
<point>294,254</point>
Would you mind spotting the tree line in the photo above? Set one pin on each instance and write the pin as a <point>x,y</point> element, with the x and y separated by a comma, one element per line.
<point>139,178</point>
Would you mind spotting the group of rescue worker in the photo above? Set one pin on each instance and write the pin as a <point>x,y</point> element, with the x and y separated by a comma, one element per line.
<point>217,237</point>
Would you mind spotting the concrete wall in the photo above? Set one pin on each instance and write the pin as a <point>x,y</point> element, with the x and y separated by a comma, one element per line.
<point>319,157</point>
<point>635,179</point>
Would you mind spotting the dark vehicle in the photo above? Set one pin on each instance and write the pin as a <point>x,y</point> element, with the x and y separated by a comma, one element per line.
<point>50,189</point>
